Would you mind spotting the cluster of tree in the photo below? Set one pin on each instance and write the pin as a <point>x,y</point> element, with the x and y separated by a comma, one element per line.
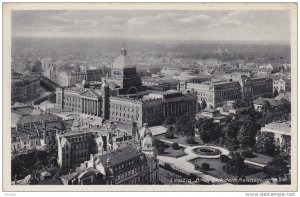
<point>247,154</point>
<point>236,132</point>
<point>204,166</point>
<point>208,130</point>
<point>230,132</point>
<point>34,163</point>
<point>52,97</point>
<point>241,131</point>
<point>191,140</point>
<point>275,93</point>
<point>170,132</point>
<point>278,168</point>
<point>183,125</point>
<point>224,158</point>
<point>247,133</point>
<point>176,146</point>
<point>160,146</point>
<point>265,143</point>
<point>235,165</point>
<point>271,114</point>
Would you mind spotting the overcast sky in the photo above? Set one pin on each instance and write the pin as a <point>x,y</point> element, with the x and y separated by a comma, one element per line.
<point>270,26</point>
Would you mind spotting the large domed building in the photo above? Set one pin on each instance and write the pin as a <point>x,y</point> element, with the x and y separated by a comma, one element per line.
<point>124,74</point>
<point>123,61</point>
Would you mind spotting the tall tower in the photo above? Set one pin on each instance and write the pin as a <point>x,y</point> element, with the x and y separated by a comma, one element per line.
<point>105,101</point>
<point>125,75</point>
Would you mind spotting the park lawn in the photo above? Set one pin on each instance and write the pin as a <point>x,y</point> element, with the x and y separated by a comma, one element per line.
<point>261,159</point>
<point>170,152</point>
<point>181,140</point>
<point>217,171</point>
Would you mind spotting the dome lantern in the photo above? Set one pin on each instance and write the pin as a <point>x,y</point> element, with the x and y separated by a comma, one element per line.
<point>123,51</point>
<point>123,61</point>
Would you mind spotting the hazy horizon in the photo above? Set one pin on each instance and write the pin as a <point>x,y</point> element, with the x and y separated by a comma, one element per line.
<point>161,41</point>
<point>255,26</point>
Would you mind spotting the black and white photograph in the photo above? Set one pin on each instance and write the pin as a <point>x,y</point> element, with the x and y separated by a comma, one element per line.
<point>181,96</point>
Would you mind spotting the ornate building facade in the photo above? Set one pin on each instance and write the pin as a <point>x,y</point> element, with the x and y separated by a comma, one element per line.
<point>24,88</point>
<point>124,75</point>
<point>76,147</point>
<point>282,134</point>
<point>216,93</point>
<point>95,101</point>
<point>119,165</point>
<point>37,131</point>
<point>152,108</point>
<point>69,75</point>
<point>255,87</point>
<point>84,100</point>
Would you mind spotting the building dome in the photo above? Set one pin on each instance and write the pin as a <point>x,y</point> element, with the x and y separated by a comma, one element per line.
<point>123,61</point>
<point>147,142</point>
<point>144,131</point>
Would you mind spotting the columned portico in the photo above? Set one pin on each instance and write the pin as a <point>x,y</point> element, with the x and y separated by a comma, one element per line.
<point>90,106</point>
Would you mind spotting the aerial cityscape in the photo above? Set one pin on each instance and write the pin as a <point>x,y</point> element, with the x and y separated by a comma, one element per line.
<point>151,98</point>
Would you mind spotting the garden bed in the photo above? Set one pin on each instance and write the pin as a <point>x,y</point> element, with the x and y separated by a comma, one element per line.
<point>255,174</point>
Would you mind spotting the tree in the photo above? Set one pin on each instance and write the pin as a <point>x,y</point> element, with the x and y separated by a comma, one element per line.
<point>224,158</point>
<point>236,165</point>
<point>247,154</point>
<point>160,150</point>
<point>203,105</point>
<point>169,133</point>
<point>184,125</point>
<point>169,121</point>
<point>34,163</point>
<point>233,144</point>
<point>276,168</point>
<point>208,130</point>
<point>157,143</point>
<point>176,146</point>
<point>265,143</point>
<point>267,107</point>
<point>275,93</point>
<point>52,97</point>
<point>248,132</point>
<point>178,127</point>
<point>189,129</point>
<point>230,132</point>
<point>205,166</point>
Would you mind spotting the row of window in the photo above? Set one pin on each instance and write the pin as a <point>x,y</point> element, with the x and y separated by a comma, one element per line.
<point>123,119</point>
<point>124,165</point>
<point>276,82</point>
<point>226,93</point>
<point>74,99</point>
<point>77,146</point>
<point>77,155</point>
<point>130,173</point>
<point>124,115</point>
<point>122,108</point>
